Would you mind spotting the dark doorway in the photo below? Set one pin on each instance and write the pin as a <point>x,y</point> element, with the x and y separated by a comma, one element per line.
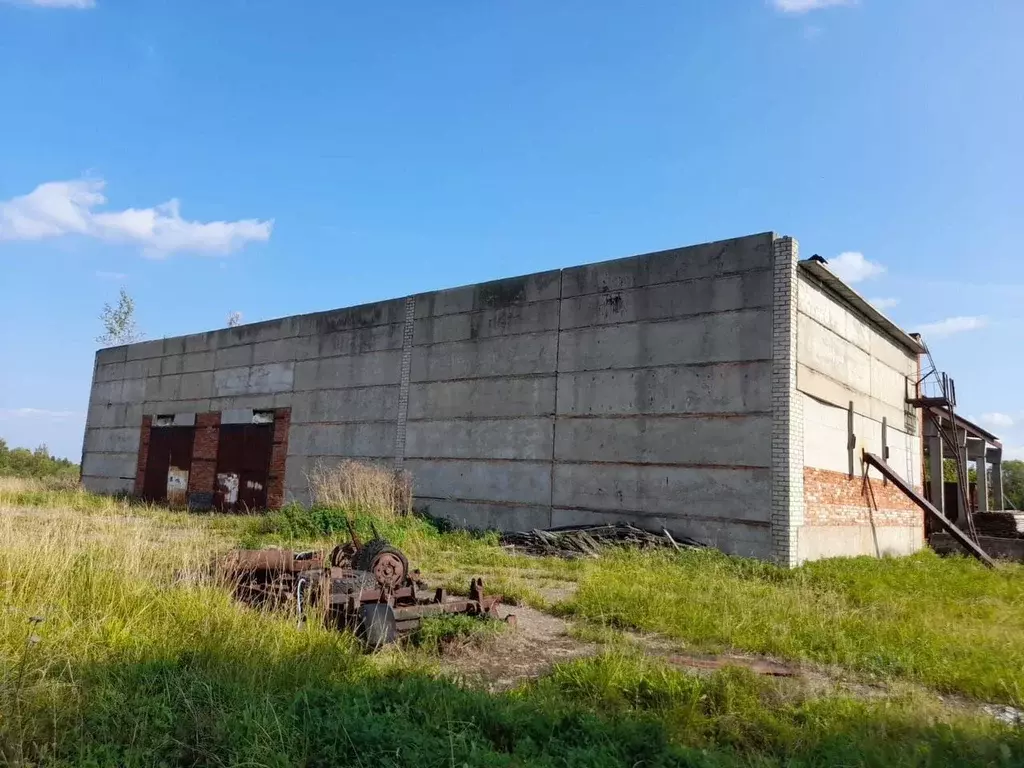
<point>243,466</point>
<point>168,464</point>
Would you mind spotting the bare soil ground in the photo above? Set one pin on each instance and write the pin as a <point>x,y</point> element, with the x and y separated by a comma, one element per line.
<point>526,651</point>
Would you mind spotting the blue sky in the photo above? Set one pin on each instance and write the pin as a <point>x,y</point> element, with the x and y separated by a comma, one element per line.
<point>331,153</point>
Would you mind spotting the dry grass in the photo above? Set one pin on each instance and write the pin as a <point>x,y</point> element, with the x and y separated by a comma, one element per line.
<point>109,657</point>
<point>23,484</point>
<point>364,488</point>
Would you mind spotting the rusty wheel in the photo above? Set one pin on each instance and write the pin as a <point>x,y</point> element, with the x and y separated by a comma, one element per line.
<point>387,564</point>
<point>389,569</point>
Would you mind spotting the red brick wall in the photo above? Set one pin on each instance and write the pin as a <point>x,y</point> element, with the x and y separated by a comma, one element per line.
<point>203,473</point>
<point>140,466</point>
<point>278,456</point>
<point>834,498</point>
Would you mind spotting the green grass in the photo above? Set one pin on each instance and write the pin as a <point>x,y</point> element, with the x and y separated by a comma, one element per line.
<point>948,623</point>
<point>437,632</point>
<point>139,663</point>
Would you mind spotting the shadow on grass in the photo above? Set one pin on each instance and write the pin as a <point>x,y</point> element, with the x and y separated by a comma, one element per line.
<point>315,708</point>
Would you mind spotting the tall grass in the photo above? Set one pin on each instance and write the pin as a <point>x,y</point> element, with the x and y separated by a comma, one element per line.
<point>362,487</point>
<point>113,652</point>
<point>949,623</point>
<point>58,493</point>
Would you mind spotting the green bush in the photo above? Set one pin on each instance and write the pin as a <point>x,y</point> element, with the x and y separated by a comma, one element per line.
<point>21,462</point>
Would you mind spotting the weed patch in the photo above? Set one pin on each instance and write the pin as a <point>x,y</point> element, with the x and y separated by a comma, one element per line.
<point>437,633</point>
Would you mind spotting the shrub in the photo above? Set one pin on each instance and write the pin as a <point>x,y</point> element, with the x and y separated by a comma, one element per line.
<point>21,462</point>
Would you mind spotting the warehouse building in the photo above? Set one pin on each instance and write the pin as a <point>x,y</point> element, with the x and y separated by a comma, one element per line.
<point>724,391</point>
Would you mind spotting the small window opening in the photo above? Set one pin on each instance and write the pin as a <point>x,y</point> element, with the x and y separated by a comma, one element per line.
<point>262,417</point>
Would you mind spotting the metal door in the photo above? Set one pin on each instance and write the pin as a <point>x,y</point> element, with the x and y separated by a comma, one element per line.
<point>168,464</point>
<point>243,466</point>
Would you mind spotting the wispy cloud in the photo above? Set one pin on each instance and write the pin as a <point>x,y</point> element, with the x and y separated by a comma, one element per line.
<point>999,420</point>
<point>884,304</point>
<point>41,414</point>
<point>952,325</point>
<point>805,6</point>
<point>80,4</point>
<point>114,276</point>
<point>852,267</point>
<point>60,208</point>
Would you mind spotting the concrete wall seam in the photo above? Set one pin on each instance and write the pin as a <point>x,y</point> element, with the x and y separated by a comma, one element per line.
<point>554,411</point>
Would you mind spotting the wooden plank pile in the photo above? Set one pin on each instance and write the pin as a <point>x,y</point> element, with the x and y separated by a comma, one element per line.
<point>576,541</point>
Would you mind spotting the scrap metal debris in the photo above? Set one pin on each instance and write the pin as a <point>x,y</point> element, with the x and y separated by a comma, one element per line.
<point>366,588</point>
<point>574,541</point>
<point>757,666</point>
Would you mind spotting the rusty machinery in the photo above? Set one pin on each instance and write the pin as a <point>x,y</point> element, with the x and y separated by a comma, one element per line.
<point>367,588</point>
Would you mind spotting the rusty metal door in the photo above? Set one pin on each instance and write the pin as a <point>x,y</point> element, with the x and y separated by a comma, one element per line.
<point>168,464</point>
<point>243,466</point>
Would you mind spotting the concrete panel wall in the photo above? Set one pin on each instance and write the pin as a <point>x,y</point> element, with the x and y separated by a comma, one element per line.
<point>827,441</point>
<point>480,421</point>
<point>636,389</point>
<point>338,371</point>
<point>843,359</point>
<point>664,394</point>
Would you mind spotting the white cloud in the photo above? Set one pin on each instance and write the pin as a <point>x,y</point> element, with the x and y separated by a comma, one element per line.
<point>804,6</point>
<point>115,276</point>
<point>59,208</point>
<point>55,3</point>
<point>998,420</point>
<point>952,325</point>
<point>36,413</point>
<point>852,267</point>
<point>884,304</point>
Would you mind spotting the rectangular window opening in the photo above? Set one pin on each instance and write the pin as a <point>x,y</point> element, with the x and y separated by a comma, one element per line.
<point>262,417</point>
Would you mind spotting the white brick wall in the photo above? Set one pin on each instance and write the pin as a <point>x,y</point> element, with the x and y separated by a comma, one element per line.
<point>403,388</point>
<point>787,408</point>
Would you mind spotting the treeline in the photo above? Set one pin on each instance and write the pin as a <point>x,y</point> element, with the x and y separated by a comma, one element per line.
<point>1013,483</point>
<point>21,462</point>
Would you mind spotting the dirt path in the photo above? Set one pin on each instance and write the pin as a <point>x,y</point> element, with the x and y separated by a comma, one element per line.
<point>537,642</point>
